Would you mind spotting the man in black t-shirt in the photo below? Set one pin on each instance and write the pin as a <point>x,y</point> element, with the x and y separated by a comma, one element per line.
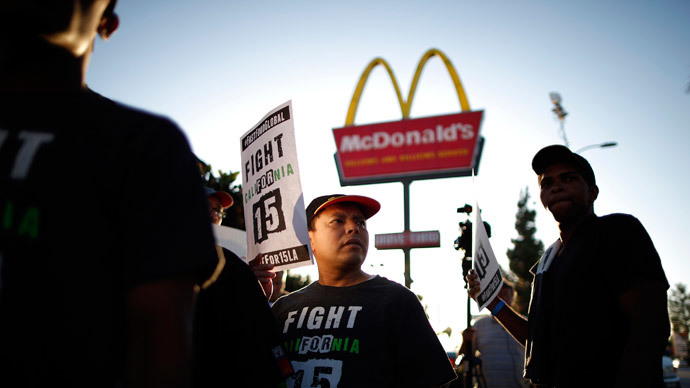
<point>599,294</point>
<point>236,338</point>
<point>104,230</point>
<point>349,328</point>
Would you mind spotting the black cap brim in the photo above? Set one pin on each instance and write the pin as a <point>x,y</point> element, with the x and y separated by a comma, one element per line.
<point>557,153</point>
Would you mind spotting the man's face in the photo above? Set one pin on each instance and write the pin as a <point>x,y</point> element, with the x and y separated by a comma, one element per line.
<point>215,210</point>
<point>340,239</point>
<point>565,193</point>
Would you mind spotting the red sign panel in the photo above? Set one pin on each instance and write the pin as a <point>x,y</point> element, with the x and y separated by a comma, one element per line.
<point>423,148</point>
<point>426,239</point>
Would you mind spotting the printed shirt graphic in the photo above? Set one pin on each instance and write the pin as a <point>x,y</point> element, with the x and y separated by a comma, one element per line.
<point>373,334</point>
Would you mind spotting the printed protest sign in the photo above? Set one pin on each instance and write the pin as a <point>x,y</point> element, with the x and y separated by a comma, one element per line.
<point>485,263</point>
<point>274,213</point>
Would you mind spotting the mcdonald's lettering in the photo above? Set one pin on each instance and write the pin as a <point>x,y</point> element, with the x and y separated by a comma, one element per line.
<point>424,148</point>
<point>380,140</point>
<point>413,147</point>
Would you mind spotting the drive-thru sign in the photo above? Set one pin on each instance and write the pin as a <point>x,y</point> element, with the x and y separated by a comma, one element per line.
<point>426,239</point>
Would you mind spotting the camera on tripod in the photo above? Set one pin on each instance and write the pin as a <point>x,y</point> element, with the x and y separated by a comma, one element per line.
<point>464,241</point>
<point>472,373</point>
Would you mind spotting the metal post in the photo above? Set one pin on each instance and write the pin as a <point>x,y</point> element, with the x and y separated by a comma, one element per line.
<point>406,212</point>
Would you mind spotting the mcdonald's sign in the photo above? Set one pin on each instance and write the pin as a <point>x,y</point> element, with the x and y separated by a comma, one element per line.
<point>409,149</point>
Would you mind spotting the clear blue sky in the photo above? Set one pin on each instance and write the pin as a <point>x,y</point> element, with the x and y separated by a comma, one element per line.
<point>621,67</point>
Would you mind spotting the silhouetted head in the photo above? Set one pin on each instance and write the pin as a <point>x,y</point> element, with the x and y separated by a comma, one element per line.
<point>70,24</point>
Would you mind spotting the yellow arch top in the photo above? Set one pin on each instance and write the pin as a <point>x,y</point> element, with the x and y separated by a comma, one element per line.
<point>405,106</point>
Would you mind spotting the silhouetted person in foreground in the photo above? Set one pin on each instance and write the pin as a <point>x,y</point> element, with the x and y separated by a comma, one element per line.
<point>236,338</point>
<point>105,228</point>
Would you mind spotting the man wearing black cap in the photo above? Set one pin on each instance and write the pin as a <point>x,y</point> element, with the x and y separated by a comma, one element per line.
<point>599,293</point>
<point>352,329</point>
<point>105,228</point>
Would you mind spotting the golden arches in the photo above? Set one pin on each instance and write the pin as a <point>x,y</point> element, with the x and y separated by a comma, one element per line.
<point>405,106</point>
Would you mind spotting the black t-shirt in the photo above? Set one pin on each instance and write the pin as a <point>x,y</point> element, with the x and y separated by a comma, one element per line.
<point>235,332</point>
<point>95,199</point>
<point>575,318</point>
<point>373,334</point>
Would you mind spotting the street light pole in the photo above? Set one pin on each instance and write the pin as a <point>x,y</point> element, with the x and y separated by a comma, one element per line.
<point>560,113</point>
<point>602,145</point>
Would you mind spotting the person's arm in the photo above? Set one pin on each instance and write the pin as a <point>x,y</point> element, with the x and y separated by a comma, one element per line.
<point>513,322</point>
<point>467,338</point>
<point>159,323</point>
<point>264,273</point>
<point>645,306</point>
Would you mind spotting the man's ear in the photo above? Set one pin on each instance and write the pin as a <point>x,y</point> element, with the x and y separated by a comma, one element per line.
<point>593,193</point>
<point>108,25</point>
<point>311,241</point>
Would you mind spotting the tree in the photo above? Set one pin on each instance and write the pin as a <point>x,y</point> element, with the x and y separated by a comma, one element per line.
<point>525,253</point>
<point>679,308</point>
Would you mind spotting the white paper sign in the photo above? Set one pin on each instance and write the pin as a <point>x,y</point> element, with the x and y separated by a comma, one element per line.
<point>274,213</point>
<point>484,262</point>
<point>232,239</point>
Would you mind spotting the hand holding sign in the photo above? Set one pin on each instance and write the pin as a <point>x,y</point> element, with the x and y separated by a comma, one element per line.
<point>485,265</point>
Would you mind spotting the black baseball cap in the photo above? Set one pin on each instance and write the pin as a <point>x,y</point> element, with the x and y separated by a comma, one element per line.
<point>369,206</point>
<point>557,153</point>
<point>111,8</point>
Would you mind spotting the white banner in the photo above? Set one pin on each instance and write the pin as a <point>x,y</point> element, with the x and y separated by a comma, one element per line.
<point>484,262</point>
<point>232,239</point>
<point>274,213</point>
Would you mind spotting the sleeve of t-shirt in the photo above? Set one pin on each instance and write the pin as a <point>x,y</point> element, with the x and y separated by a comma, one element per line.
<point>631,250</point>
<point>167,229</point>
<point>423,361</point>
